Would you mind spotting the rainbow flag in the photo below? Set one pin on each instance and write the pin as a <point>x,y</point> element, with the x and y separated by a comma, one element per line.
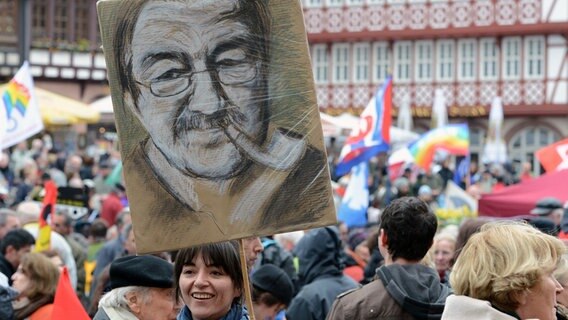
<point>453,138</point>
<point>16,96</point>
<point>20,117</point>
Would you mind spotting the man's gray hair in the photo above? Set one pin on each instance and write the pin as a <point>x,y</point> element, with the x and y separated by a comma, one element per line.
<point>116,298</point>
<point>4,214</point>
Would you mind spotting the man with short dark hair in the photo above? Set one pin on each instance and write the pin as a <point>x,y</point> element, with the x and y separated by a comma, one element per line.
<point>13,247</point>
<point>405,289</point>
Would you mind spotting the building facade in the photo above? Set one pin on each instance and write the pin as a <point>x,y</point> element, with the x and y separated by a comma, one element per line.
<point>471,50</point>
<point>60,39</point>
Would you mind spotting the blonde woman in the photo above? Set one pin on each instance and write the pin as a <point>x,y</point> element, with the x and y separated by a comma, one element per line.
<point>506,272</point>
<point>561,275</point>
<point>443,252</point>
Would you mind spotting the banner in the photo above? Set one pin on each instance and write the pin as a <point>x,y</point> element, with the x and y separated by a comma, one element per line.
<point>20,110</point>
<point>452,138</point>
<point>353,209</point>
<point>495,150</point>
<point>225,145</point>
<point>554,157</point>
<point>458,205</point>
<point>372,136</point>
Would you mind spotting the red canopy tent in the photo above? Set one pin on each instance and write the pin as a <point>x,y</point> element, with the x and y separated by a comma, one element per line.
<point>521,198</point>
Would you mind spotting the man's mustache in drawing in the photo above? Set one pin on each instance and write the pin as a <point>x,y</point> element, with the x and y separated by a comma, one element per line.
<point>281,153</point>
<point>193,120</point>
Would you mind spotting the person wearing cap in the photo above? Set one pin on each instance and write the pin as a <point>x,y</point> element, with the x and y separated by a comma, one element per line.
<point>550,208</point>
<point>272,291</point>
<point>142,288</point>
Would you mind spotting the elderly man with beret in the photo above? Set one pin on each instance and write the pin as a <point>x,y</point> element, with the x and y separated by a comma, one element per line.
<point>550,208</point>
<point>142,289</point>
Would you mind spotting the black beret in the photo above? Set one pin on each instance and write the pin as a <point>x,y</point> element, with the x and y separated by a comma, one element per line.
<point>273,280</point>
<point>545,206</point>
<point>142,271</point>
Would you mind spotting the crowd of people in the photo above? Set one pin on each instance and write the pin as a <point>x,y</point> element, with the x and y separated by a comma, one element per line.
<point>404,266</point>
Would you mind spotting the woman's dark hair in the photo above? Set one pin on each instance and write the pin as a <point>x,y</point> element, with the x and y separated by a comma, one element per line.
<point>467,229</point>
<point>224,255</point>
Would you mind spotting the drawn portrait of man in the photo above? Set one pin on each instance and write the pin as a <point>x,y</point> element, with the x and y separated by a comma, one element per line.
<point>195,76</point>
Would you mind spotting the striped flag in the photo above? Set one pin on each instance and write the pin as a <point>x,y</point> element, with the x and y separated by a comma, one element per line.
<point>372,136</point>
<point>43,241</point>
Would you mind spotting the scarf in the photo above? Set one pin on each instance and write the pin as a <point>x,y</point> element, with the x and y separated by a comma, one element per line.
<point>237,312</point>
<point>24,308</point>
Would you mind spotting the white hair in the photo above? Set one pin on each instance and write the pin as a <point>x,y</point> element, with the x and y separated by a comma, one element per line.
<point>116,298</point>
<point>292,237</point>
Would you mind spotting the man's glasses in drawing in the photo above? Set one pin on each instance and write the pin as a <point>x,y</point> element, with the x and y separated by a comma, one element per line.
<point>229,72</point>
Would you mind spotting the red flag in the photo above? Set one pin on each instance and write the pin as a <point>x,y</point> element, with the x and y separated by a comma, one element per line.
<point>66,304</point>
<point>554,157</point>
<point>43,241</point>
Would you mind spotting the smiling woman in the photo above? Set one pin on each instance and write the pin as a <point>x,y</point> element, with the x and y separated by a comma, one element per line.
<point>208,280</point>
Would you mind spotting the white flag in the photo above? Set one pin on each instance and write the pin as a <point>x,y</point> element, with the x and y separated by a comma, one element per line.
<point>20,111</point>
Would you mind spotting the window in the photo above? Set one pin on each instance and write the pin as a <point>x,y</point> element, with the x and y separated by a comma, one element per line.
<point>445,61</point>
<point>476,141</point>
<point>60,20</point>
<point>466,59</point>
<point>341,63</point>
<point>423,55</point>
<point>313,3</point>
<point>39,21</point>
<point>488,59</point>
<point>8,16</point>
<point>82,9</point>
<point>526,142</point>
<point>381,61</point>
<point>334,3</point>
<point>534,57</point>
<point>403,59</point>
<point>320,63</point>
<point>511,58</point>
<point>361,62</point>
<point>355,2</point>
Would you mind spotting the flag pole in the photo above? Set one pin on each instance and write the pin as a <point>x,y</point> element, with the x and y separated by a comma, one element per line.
<point>246,283</point>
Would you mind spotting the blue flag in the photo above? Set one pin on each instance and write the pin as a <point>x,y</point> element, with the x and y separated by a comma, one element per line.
<point>372,136</point>
<point>461,171</point>
<point>353,208</point>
